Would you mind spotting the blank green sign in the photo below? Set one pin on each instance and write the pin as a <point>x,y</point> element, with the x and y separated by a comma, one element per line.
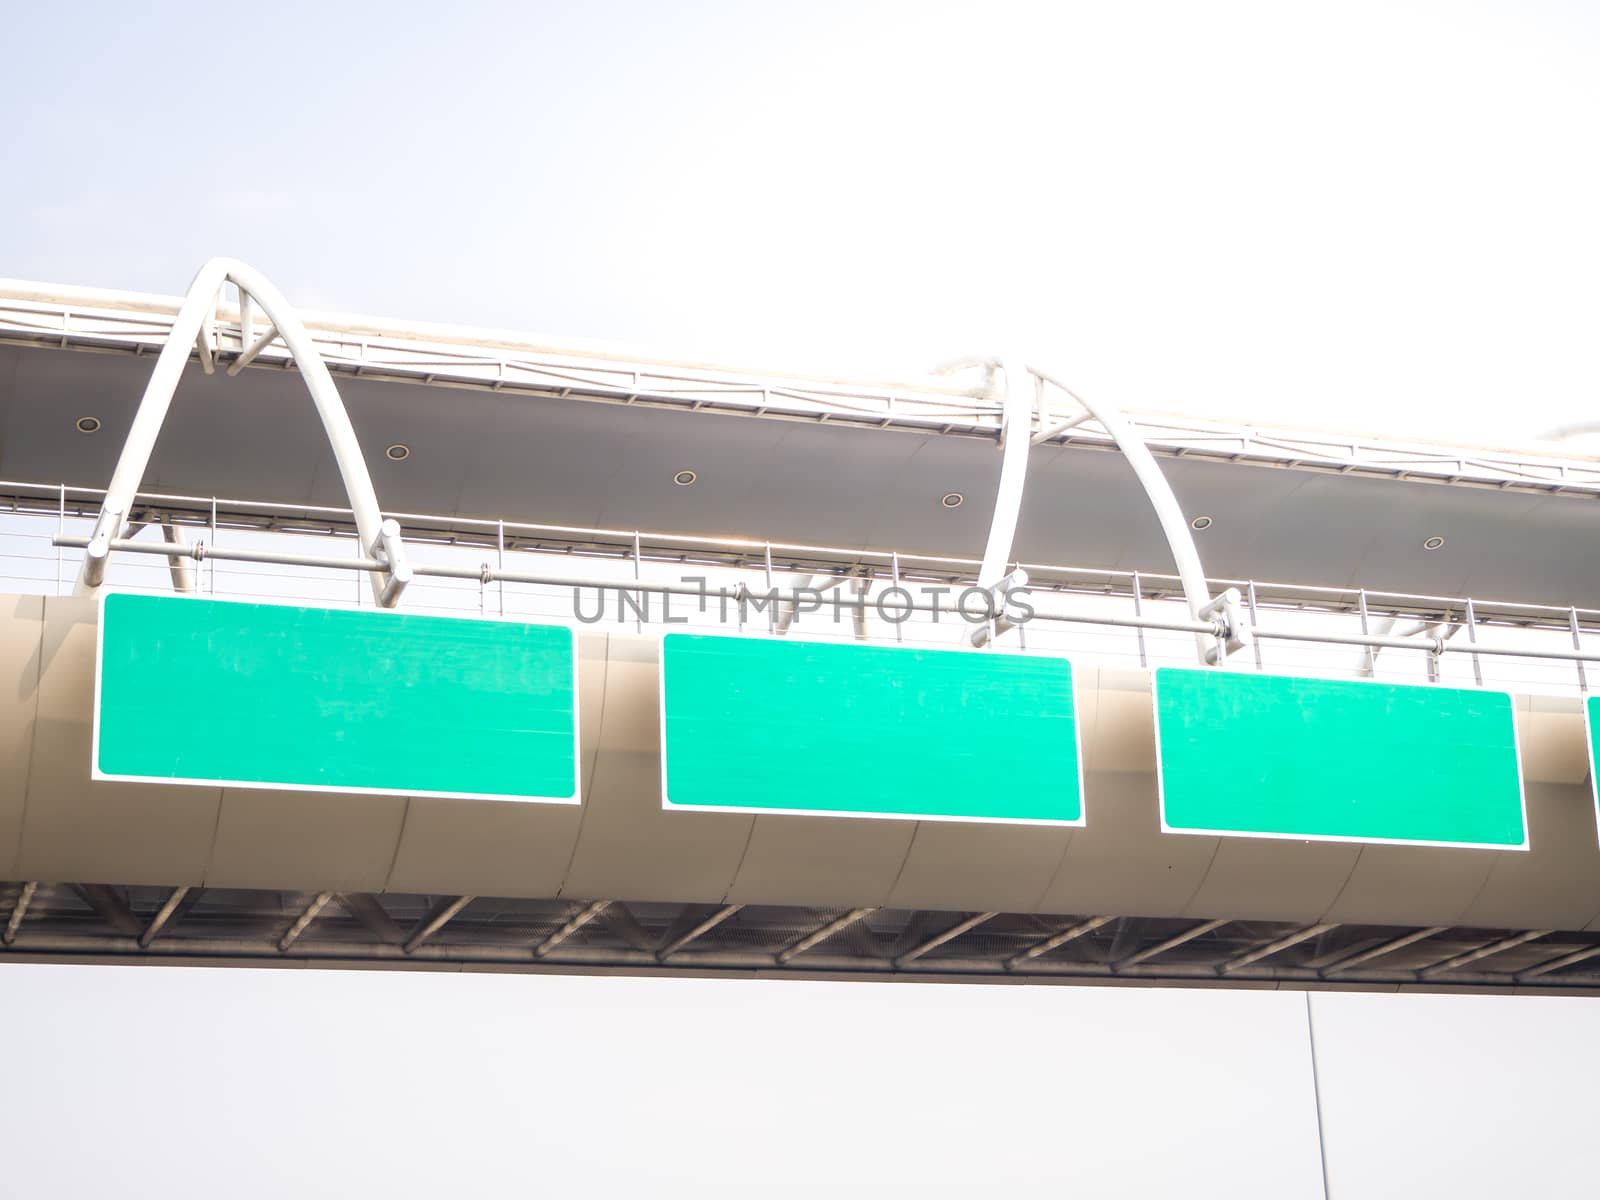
<point>856,730</point>
<point>1337,760</point>
<point>1591,708</point>
<point>334,699</point>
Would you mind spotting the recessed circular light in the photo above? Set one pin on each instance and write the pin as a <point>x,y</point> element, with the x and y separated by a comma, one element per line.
<point>951,499</point>
<point>398,452</point>
<point>1433,543</point>
<point>88,424</point>
<point>684,478</point>
<point>1200,523</point>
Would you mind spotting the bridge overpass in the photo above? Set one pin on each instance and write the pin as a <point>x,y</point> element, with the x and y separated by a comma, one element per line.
<point>527,480</point>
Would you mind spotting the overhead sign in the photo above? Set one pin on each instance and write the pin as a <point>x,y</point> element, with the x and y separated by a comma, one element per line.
<point>774,725</point>
<point>1591,715</point>
<point>1337,760</point>
<point>204,691</point>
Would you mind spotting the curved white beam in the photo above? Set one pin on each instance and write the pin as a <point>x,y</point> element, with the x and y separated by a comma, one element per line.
<point>1174,525</point>
<point>192,326</point>
<point>1016,440</point>
<point>1571,429</point>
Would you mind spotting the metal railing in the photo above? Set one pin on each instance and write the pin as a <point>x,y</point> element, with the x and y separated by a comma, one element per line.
<point>639,580</point>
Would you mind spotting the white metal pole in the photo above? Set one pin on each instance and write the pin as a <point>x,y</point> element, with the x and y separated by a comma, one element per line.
<point>1016,417</point>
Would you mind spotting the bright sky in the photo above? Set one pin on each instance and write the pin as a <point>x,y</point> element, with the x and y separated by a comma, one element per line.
<point>1360,214</point>
<point>1379,216</point>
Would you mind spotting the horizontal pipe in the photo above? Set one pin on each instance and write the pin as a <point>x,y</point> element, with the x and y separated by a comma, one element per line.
<point>200,551</point>
<point>847,558</point>
<point>45,945</point>
<point>487,574</point>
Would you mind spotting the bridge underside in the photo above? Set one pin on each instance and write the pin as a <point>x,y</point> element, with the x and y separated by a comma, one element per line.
<point>83,923</point>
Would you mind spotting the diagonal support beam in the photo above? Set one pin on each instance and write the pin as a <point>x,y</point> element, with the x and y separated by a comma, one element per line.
<point>1472,956</point>
<point>443,912</point>
<point>1389,947</point>
<point>248,356</point>
<point>698,931</point>
<point>1273,947</point>
<point>369,912</point>
<point>574,923</point>
<point>816,936</point>
<point>939,939</point>
<point>164,915</point>
<point>625,925</point>
<point>1556,964</point>
<point>1061,939</point>
<point>303,921</point>
<point>19,910</point>
<point>1172,943</point>
<point>113,910</point>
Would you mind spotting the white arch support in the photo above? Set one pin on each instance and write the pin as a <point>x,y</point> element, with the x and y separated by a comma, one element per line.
<point>194,327</point>
<point>1022,395</point>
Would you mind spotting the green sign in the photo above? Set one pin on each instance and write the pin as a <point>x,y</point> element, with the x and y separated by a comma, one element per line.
<point>1591,715</point>
<point>192,690</point>
<point>756,724</point>
<point>1337,760</point>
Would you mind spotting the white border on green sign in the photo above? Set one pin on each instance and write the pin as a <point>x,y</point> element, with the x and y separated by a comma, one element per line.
<point>1516,746</point>
<point>667,804</point>
<point>1594,784</point>
<point>256,785</point>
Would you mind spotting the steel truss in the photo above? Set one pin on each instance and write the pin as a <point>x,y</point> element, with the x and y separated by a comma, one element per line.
<point>196,925</point>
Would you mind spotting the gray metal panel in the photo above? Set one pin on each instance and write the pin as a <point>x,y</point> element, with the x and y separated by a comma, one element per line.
<point>75,829</point>
<point>1117,720</point>
<point>1557,884</point>
<point>821,861</point>
<point>305,841</point>
<point>1553,738</point>
<point>1000,868</point>
<point>568,461</point>
<point>487,848</point>
<point>1433,885</point>
<point>1120,862</point>
<point>1348,531</point>
<point>1251,878</point>
<point>628,848</point>
<point>21,625</point>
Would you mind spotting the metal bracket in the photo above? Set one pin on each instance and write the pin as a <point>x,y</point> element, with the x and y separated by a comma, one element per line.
<point>1233,629</point>
<point>998,594</point>
<point>391,551</point>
